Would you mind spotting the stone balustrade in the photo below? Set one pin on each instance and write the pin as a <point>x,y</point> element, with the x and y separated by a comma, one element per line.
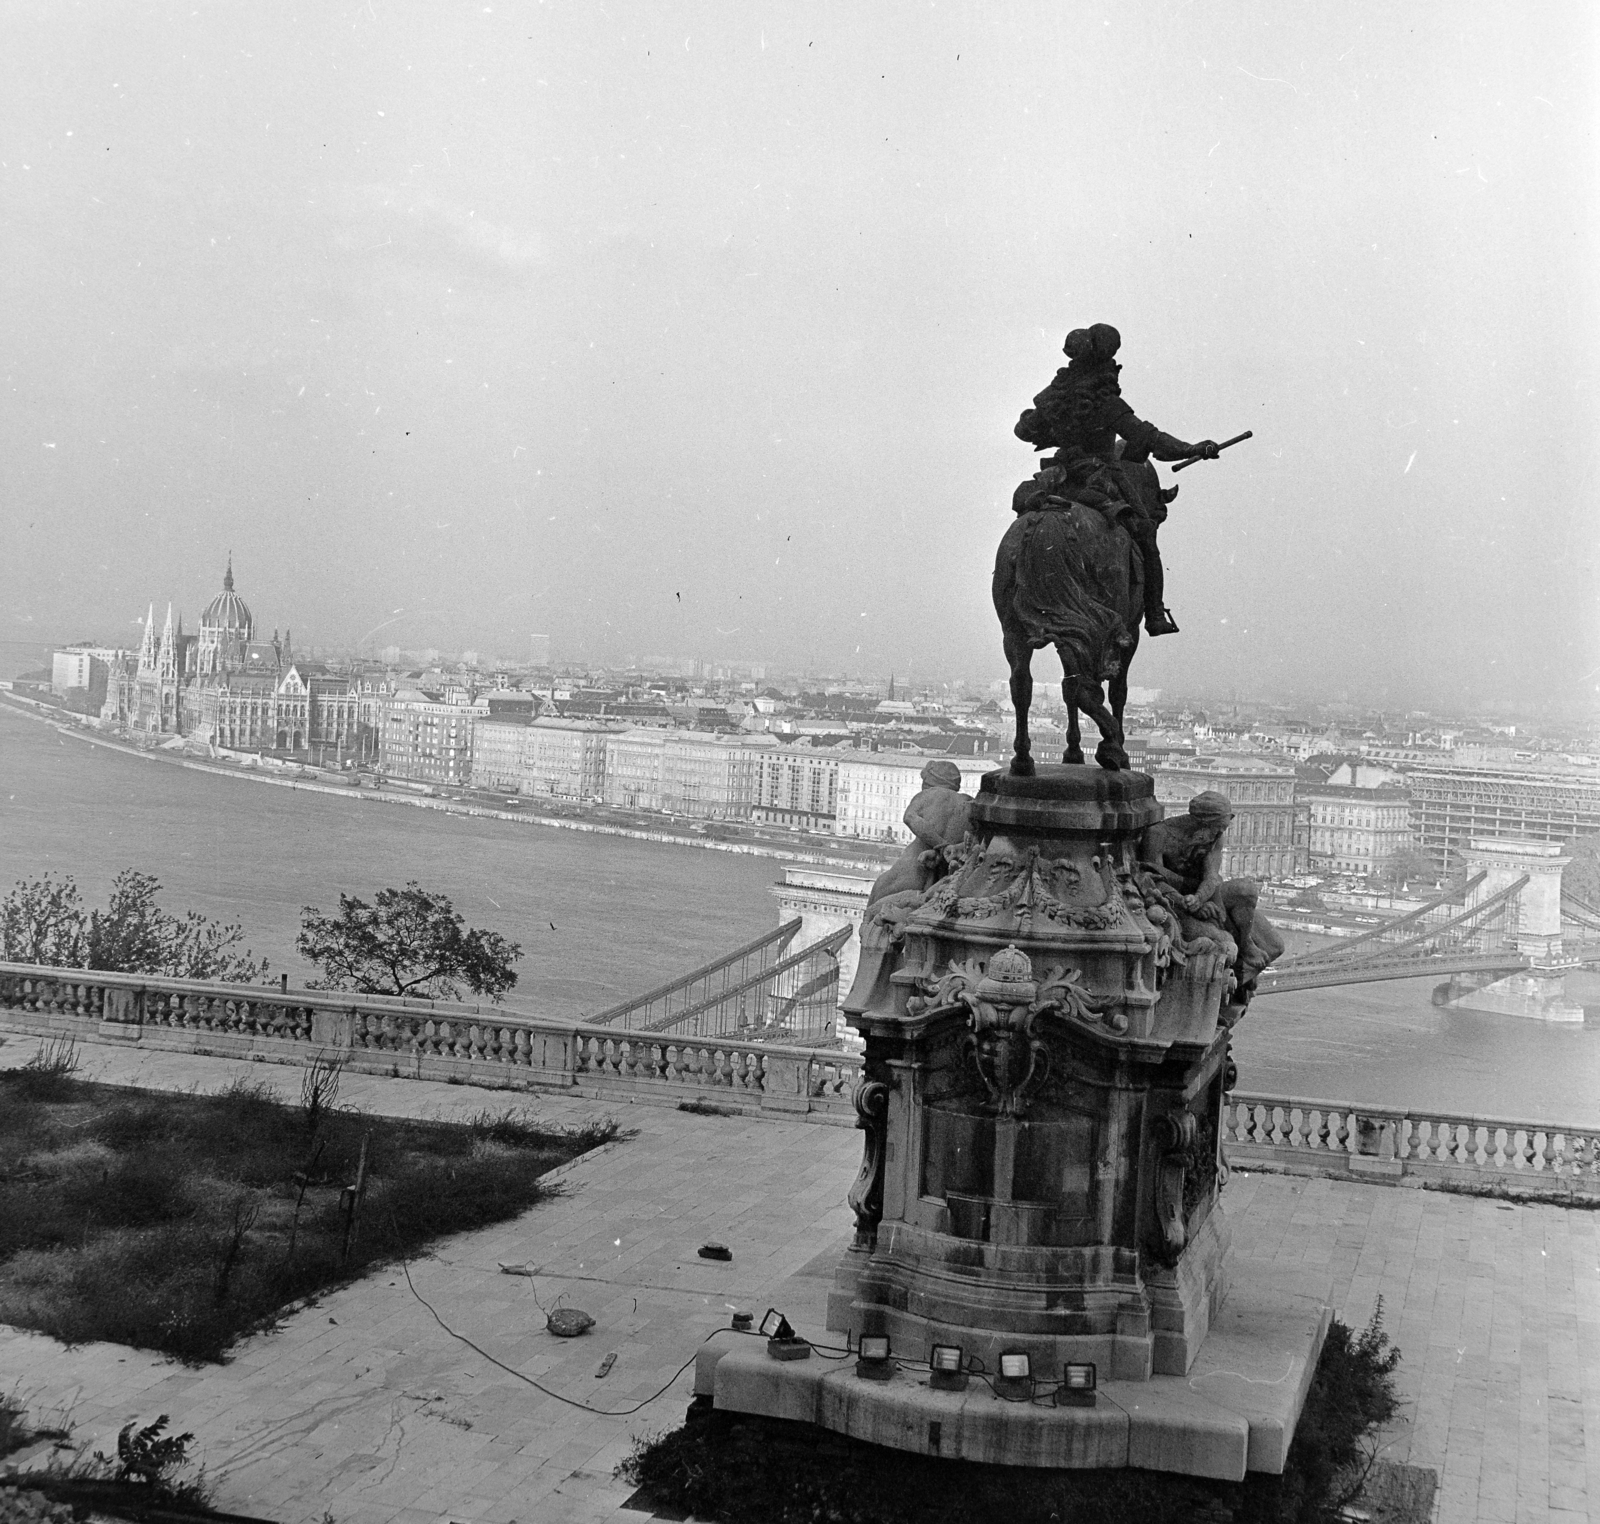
<point>483,1044</point>
<point>1431,1147</point>
<point>491,1045</point>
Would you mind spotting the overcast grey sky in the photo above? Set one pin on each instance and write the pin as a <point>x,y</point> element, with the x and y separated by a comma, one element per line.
<point>701,328</point>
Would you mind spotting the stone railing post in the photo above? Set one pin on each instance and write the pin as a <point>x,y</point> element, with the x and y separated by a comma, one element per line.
<point>122,1014</point>
<point>1372,1145</point>
<point>788,1083</point>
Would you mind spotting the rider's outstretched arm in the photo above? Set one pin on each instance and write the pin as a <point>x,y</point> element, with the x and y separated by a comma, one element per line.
<point>1146,439</point>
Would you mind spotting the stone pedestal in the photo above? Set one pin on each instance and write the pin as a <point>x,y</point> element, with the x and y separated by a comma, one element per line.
<point>1043,1086</point>
<point>1046,1054</point>
<point>1540,994</point>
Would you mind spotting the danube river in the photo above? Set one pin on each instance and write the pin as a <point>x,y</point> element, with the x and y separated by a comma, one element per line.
<point>601,917</point>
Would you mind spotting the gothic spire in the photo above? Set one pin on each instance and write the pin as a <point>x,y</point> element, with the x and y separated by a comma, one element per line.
<point>227,576</point>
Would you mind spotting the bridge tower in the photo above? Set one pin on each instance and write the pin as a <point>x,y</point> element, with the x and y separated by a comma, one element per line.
<point>1535,928</point>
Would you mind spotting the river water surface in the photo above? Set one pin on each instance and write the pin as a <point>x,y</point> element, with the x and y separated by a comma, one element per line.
<point>603,917</point>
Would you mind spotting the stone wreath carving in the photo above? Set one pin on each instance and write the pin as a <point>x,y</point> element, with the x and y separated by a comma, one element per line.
<point>1025,883</point>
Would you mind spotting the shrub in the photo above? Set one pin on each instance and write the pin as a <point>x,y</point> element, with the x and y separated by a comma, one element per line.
<point>47,1076</point>
<point>176,1222</point>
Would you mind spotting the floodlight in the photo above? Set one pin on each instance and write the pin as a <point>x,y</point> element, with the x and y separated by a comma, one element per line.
<point>782,1341</point>
<point>872,1358</point>
<point>1077,1387</point>
<point>945,1358</point>
<point>949,1368</point>
<point>1016,1374</point>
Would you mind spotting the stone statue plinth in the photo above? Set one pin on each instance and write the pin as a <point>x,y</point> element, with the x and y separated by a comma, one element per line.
<point>1045,1066</point>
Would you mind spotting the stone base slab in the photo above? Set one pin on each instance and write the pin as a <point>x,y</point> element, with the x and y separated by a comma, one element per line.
<point>1235,1411</point>
<point>1185,1300</point>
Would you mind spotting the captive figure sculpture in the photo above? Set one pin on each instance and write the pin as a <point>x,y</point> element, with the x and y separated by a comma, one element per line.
<point>937,819</point>
<point>1081,565</point>
<point>1180,858</point>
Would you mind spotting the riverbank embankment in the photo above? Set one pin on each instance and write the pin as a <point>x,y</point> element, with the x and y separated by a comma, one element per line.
<point>523,817</point>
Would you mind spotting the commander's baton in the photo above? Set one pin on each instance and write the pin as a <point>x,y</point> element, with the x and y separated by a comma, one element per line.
<point>1184,464</point>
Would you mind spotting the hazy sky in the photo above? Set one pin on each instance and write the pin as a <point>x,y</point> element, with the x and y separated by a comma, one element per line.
<point>701,329</point>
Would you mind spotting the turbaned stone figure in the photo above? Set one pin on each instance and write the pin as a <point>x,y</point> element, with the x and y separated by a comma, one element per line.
<point>937,820</point>
<point>1082,415</point>
<point>1182,861</point>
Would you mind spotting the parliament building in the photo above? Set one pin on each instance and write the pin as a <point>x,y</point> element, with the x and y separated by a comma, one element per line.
<point>224,689</point>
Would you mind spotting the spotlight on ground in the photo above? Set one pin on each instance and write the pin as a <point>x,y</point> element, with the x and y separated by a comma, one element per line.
<point>949,1368</point>
<point>782,1341</point>
<point>1077,1387</point>
<point>1016,1374</point>
<point>872,1358</point>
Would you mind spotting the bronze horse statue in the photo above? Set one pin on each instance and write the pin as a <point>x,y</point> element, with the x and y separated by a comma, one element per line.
<point>1069,575</point>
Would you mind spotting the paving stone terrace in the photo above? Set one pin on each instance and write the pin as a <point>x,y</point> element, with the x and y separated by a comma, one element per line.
<point>363,1406</point>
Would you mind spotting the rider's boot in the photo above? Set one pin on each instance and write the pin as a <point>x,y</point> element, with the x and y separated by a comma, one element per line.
<point>1158,618</point>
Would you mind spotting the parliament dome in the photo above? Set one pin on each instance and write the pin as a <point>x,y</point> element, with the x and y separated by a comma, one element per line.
<point>227,612</point>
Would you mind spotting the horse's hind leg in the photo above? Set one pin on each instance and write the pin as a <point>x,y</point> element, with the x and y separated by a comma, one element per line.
<point>1109,753</point>
<point>1074,752</point>
<point>1117,697</point>
<point>1019,656</point>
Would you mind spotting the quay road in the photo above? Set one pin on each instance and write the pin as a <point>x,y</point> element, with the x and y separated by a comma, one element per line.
<point>726,836</point>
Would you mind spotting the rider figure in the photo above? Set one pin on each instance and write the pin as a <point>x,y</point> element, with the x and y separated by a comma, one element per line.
<point>1081,414</point>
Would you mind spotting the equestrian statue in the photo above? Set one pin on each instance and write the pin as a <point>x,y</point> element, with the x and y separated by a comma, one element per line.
<point>1080,566</point>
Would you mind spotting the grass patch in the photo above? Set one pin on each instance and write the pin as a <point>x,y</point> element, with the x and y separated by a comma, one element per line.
<point>178,1222</point>
<point>752,1471</point>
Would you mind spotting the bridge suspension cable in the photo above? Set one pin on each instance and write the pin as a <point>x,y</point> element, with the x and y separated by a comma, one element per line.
<point>1454,895</point>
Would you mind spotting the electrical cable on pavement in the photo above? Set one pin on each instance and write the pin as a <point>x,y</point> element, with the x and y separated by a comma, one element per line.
<point>510,1371</point>
<point>627,1412</point>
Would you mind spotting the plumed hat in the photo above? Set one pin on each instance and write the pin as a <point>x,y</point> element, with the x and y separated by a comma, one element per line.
<point>945,774</point>
<point>1211,807</point>
<point>1093,345</point>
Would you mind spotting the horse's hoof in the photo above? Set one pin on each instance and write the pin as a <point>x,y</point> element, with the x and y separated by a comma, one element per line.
<point>1021,767</point>
<point>1072,758</point>
<point>1111,757</point>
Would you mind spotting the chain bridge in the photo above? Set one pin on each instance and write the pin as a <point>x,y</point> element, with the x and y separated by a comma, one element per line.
<point>1456,932</point>
<point>1499,926</point>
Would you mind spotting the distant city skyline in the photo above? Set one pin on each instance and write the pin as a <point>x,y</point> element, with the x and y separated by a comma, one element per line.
<point>675,328</point>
